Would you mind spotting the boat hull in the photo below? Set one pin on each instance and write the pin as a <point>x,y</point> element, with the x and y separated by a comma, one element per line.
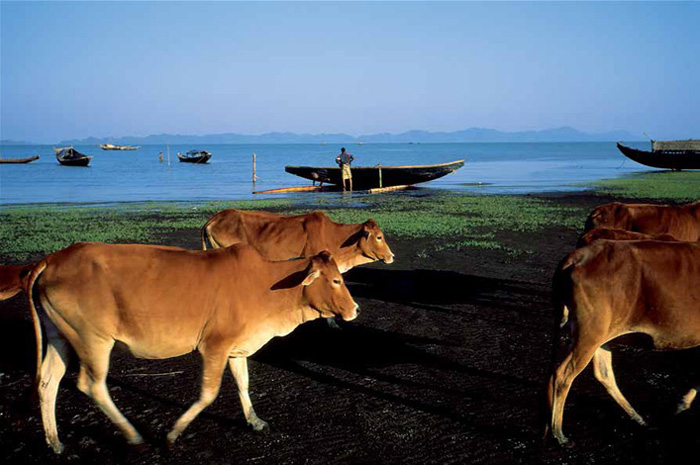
<point>119,148</point>
<point>367,177</point>
<point>670,160</point>
<point>197,160</point>
<point>85,161</point>
<point>16,161</point>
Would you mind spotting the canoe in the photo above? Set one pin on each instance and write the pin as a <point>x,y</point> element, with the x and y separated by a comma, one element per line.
<point>68,156</point>
<point>674,159</point>
<point>10,161</point>
<point>368,177</point>
<point>195,156</point>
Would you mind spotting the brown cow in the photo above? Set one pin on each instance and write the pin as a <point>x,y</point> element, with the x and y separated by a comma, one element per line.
<point>619,235</point>
<point>11,280</point>
<point>280,237</point>
<point>613,288</point>
<point>680,221</point>
<point>161,302</point>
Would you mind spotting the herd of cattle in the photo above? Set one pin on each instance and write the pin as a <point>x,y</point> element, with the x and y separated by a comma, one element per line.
<point>636,269</point>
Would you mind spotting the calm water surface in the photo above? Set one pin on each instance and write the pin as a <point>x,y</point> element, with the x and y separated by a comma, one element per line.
<point>115,176</point>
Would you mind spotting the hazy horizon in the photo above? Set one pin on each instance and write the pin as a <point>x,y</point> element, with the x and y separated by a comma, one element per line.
<point>72,70</point>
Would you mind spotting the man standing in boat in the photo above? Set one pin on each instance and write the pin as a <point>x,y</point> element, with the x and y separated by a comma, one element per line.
<point>344,159</point>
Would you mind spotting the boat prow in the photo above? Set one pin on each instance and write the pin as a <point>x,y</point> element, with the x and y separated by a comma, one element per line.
<point>16,161</point>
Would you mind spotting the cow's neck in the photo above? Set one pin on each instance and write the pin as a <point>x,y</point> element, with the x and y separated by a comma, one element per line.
<point>290,308</point>
<point>350,254</point>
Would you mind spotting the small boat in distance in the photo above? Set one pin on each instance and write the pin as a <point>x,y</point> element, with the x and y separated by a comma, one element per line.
<point>194,156</point>
<point>372,177</point>
<point>16,161</point>
<point>118,147</point>
<point>673,155</point>
<point>70,157</point>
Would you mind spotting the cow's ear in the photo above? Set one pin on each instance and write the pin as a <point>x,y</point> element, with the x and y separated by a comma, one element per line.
<point>311,277</point>
<point>325,255</point>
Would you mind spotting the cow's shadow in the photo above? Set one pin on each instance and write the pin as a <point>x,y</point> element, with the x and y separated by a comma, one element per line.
<point>438,287</point>
<point>359,351</point>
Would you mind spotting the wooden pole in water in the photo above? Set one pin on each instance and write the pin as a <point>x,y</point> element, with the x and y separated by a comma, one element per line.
<point>380,175</point>
<point>254,175</point>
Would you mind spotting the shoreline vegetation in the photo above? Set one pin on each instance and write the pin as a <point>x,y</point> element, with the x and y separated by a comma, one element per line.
<point>444,220</point>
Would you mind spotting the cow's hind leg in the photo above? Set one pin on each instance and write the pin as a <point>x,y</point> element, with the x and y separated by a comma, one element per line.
<point>561,381</point>
<point>52,370</point>
<point>92,381</point>
<point>603,370</point>
<point>239,369</point>
<point>214,362</point>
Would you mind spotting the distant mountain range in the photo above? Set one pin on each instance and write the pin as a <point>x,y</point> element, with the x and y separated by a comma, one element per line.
<point>563,134</point>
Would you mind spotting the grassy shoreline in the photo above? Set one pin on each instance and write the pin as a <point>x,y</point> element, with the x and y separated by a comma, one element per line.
<point>452,220</point>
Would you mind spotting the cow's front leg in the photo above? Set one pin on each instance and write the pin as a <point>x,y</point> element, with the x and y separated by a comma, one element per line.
<point>239,369</point>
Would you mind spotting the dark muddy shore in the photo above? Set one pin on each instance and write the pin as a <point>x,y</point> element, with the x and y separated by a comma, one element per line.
<point>446,364</point>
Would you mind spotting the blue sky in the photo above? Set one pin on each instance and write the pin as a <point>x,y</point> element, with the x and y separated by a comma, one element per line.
<point>79,69</point>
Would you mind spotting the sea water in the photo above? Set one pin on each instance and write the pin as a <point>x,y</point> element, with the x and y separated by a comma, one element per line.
<point>118,176</point>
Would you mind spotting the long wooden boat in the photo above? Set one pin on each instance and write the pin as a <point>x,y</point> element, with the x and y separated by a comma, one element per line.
<point>372,177</point>
<point>195,156</point>
<point>670,155</point>
<point>14,161</point>
<point>118,147</point>
<point>70,157</point>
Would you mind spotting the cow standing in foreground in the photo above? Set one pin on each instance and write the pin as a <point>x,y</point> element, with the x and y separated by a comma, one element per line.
<point>613,288</point>
<point>162,302</point>
<point>680,221</point>
<point>280,237</point>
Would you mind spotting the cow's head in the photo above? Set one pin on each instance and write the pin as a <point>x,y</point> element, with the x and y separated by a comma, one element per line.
<point>373,243</point>
<point>325,291</point>
<point>605,216</point>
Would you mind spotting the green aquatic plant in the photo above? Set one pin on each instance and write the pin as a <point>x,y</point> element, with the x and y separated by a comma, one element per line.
<point>679,186</point>
<point>449,220</point>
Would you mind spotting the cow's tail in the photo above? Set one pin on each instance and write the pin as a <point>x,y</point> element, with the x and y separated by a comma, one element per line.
<point>13,280</point>
<point>205,233</point>
<point>35,273</point>
<point>208,236</point>
<point>562,284</point>
<point>562,287</point>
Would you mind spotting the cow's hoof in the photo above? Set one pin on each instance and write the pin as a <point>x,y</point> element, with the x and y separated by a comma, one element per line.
<point>260,426</point>
<point>139,448</point>
<point>57,448</point>
<point>170,440</point>
<point>564,441</point>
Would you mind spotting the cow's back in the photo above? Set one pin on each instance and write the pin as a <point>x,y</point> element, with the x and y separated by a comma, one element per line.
<point>680,221</point>
<point>274,236</point>
<point>640,286</point>
<point>153,299</point>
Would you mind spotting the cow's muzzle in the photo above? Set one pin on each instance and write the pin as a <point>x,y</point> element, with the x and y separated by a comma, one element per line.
<point>349,316</point>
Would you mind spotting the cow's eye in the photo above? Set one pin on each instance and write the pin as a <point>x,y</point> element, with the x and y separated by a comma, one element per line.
<point>336,282</point>
<point>379,238</point>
